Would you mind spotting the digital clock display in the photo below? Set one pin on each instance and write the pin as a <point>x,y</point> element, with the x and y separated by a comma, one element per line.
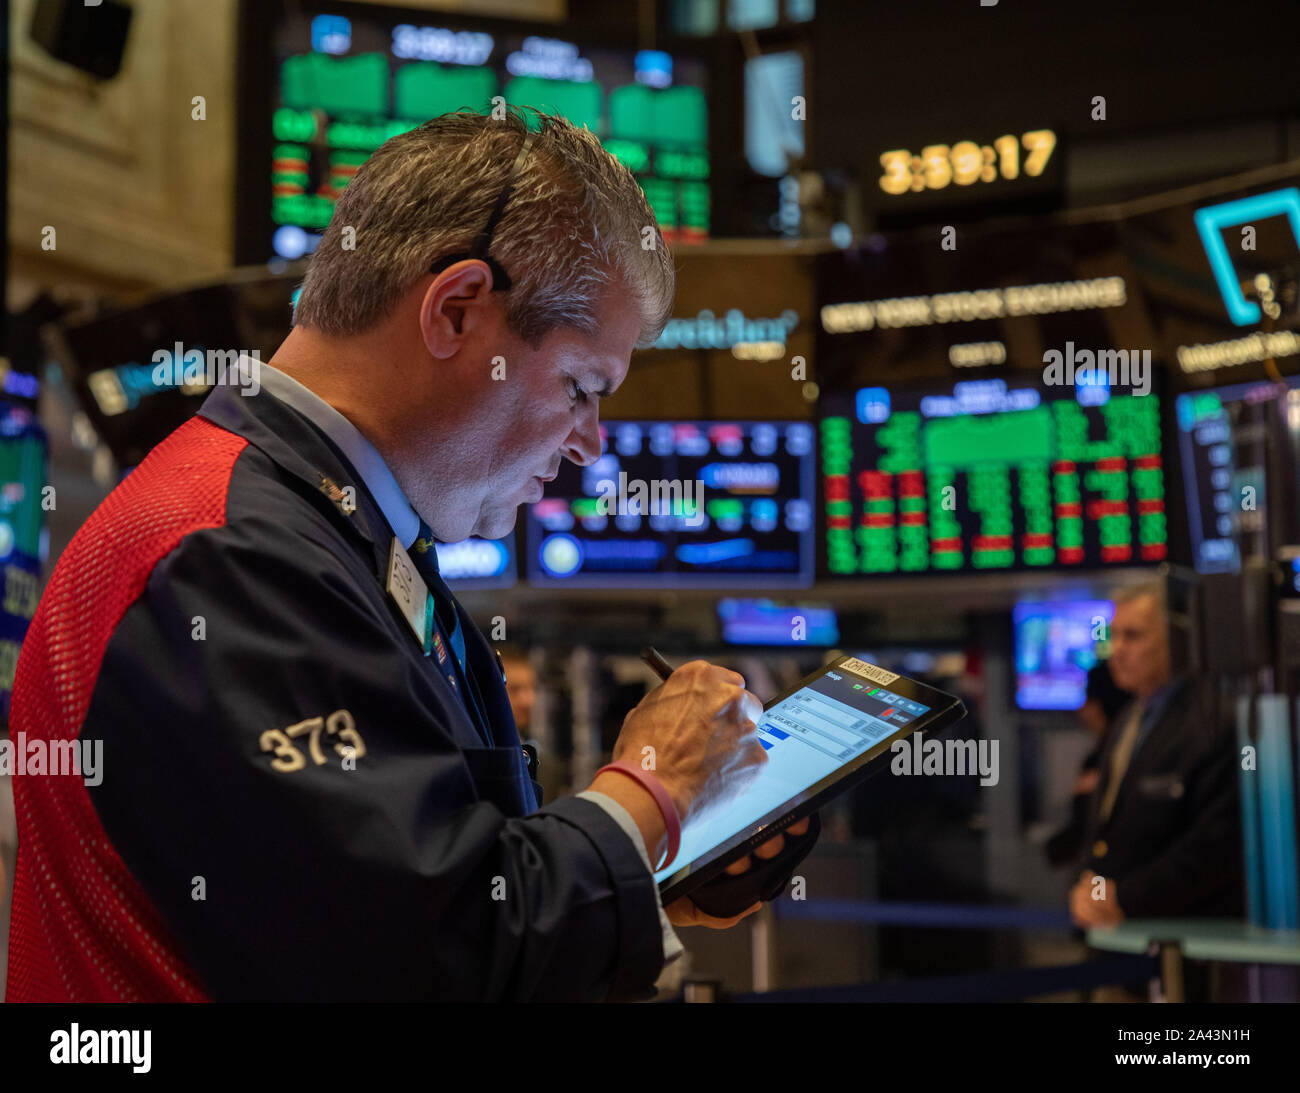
<point>966,163</point>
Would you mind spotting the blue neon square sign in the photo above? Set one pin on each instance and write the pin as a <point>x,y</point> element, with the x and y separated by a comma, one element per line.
<point>1210,222</point>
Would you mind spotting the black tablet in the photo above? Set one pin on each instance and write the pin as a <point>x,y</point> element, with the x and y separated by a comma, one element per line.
<point>823,736</point>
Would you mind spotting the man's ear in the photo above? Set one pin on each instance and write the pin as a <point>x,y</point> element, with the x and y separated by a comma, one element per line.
<point>455,302</point>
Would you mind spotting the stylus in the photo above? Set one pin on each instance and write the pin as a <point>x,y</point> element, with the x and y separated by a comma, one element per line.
<point>655,659</point>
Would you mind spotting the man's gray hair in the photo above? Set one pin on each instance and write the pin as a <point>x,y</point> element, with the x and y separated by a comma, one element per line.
<point>577,222</point>
<point>1128,593</point>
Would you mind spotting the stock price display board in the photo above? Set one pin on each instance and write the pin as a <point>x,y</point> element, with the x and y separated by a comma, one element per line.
<point>345,85</point>
<point>988,475</point>
<point>681,503</point>
<point>1214,482</point>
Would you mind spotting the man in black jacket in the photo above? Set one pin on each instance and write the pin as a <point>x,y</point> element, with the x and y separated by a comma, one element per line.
<point>315,786</point>
<point>1164,824</point>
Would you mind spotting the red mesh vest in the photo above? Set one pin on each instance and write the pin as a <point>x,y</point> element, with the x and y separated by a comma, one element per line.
<point>82,929</point>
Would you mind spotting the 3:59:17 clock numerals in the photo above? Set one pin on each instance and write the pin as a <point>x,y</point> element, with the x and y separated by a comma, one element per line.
<point>966,163</point>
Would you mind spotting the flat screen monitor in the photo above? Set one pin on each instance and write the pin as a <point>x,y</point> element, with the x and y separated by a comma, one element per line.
<point>24,458</point>
<point>765,622</point>
<point>989,475</point>
<point>478,563</point>
<point>1056,647</point>
<point>1219,493</point>
<point>681,503</point>
<point>141,372</point>
<point>344,78</point>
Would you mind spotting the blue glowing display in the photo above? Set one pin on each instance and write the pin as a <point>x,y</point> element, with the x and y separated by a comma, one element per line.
<point>712,504</point>
<point>1212,480</point>
<point>478,563</point>
<point>1056,646</point>
<point>763,622</point>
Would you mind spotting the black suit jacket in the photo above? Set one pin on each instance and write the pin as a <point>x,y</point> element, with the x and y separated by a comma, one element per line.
<point>1172,842</point>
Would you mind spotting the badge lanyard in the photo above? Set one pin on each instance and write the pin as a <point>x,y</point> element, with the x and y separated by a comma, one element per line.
<point>435,644</point>
<point>415,588</point>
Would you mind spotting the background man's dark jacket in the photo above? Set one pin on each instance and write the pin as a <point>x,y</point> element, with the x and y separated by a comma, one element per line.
<point>1172,842</point>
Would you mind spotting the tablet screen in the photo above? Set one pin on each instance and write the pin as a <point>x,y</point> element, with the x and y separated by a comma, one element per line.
<point>808,735</point>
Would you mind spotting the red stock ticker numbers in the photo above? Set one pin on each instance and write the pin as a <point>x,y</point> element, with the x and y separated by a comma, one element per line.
<point>989,475</point>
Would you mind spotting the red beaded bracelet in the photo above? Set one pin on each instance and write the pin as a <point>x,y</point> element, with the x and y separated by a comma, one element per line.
<point>667,809</point>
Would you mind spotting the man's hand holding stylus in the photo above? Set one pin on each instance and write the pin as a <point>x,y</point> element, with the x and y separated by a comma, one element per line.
<point>698,733</point>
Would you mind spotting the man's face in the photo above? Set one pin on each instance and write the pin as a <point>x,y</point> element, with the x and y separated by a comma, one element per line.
<point>1139,655</point>
<point>519,428</point>
<point>521,687</point>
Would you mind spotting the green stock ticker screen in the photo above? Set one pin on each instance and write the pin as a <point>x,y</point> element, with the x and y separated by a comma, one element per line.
<point>988,475</point>
<point>346,85</point>
<point>24,456</point>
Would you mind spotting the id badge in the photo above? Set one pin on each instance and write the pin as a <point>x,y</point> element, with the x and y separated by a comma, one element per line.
<point>409,592</point>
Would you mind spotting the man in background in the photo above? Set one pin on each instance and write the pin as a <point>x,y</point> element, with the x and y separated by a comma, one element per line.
<point>1164,826</point>
<point>521,687</point>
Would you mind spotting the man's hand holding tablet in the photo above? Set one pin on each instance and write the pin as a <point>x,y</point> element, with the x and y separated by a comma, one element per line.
<point>823,736</point>
<point>697,734</point>
<point>683,912</point>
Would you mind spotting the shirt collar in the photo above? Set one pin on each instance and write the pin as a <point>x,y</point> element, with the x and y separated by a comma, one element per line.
<point>363,455</point>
